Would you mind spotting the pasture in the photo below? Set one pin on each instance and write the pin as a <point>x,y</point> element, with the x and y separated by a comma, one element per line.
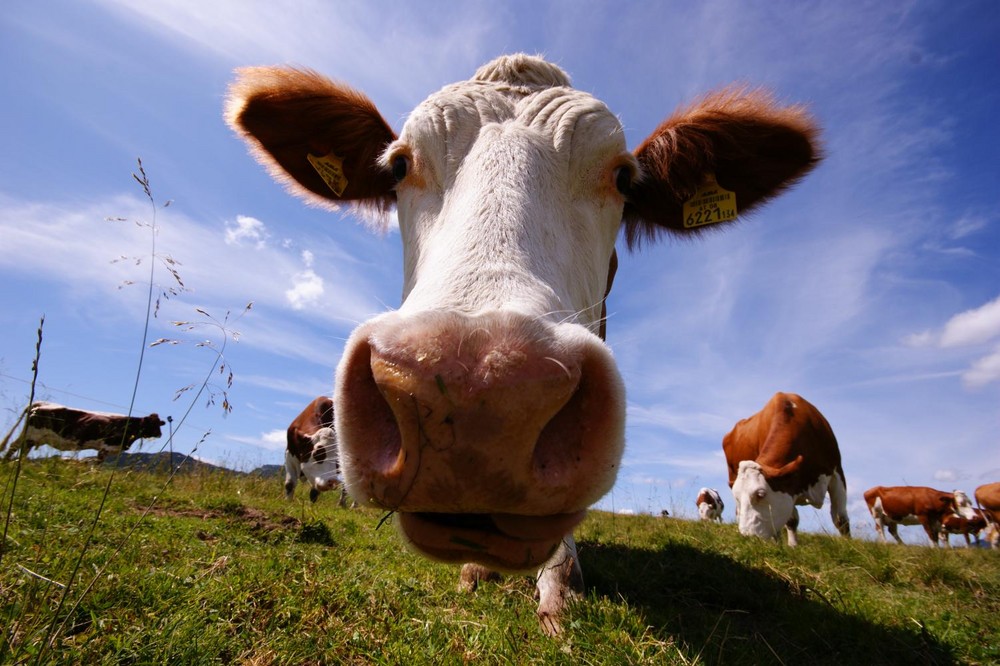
<point>212,567</point>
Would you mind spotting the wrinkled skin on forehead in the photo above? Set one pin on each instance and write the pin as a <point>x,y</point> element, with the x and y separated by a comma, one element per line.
<point>500,178</point>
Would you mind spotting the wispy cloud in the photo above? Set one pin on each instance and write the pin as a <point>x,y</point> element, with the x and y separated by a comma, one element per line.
<point>970,329</point>
<point>246,229</point>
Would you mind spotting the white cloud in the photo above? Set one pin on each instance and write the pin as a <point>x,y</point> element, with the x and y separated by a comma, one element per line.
<point>275,439</point>
<point>272,440</point>
<point>948,475</point>
<point>967,225</point>
<point>973,326</point>
<point>983,371</point>
<point>246,229</point>
<point>307,289</point>
<point>922,339</point>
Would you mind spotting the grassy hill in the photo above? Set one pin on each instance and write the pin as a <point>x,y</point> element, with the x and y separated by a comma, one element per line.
<point>212,567</point>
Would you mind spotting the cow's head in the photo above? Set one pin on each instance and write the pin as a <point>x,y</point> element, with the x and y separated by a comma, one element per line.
<point>150,427</point>
<point>487,410</point>
<point>320,466</point>
<point>963,506</point>
<point>761,509</point>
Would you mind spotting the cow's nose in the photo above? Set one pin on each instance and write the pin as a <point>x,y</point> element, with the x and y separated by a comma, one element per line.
<point>444,413</point>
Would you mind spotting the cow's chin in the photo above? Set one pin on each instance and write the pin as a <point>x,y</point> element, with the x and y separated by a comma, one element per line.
<point>501,541</point>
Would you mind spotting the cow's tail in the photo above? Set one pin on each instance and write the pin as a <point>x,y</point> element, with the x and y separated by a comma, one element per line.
<point>6,440</point>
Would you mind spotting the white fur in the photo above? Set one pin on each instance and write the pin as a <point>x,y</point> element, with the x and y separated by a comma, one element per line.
<point>464,213</point>
<point>322,475</point>
<point>57,441</point>
<point>761,511</point>
<point>708,511</point>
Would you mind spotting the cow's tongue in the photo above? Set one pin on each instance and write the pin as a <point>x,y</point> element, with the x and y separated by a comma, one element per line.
<point>503,541</point>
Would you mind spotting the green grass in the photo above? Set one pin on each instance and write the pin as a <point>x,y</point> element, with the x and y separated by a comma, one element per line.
<point>223,570</point>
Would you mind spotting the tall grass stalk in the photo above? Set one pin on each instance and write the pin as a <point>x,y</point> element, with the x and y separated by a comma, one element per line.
<point>70,596</point>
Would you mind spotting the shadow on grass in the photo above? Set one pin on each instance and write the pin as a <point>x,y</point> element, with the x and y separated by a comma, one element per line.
<point>726,613</point>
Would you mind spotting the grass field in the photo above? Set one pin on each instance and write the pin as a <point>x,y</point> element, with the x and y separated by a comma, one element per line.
<point>217,568</point>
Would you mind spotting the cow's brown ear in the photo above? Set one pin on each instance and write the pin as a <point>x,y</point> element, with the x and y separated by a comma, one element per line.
<point>752,146</point>
<point>771,472</point>
<point>320,138</point>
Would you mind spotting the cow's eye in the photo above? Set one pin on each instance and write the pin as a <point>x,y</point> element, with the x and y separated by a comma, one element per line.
<point>400,166</point>
<point>623,180</point>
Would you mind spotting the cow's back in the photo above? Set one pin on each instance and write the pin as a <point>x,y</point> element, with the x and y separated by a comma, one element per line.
<point>787,427</point>
<point>899,502</point>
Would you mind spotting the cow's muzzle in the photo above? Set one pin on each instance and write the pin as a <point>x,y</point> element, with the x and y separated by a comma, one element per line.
<point>490,435</point>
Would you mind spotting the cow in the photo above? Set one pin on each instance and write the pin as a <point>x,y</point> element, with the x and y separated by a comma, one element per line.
<point>311,453</point>
<point>487,411</point>
<point>784,455</point>
<point>709,504</point>
<point>69,429</point>
<point>914,505</point>
<point>988,499</point>
<point>955,524</point>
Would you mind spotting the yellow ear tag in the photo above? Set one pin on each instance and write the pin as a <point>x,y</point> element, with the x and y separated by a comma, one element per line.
<point>331,169</point>
<point>711,204</point>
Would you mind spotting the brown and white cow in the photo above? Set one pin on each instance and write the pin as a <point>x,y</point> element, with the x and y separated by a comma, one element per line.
<point>709,504</point>
<point>988,499</point>
<point>782,456</point>
<point>955,524</point>
<point>311,453</point>
<point>914,505</point>
<point>487,411</point>
<point>69,429</point>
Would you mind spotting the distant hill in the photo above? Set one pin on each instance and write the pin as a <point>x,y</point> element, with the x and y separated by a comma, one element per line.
<point>184,464</point>
<point>268,471</point>
<point>163,460</point>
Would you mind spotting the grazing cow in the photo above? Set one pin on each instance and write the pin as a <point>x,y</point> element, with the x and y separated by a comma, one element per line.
<point>709,504</point>
<point>955,524</point>
<point>69,429</point>
<point>988,499</point>
<point>311,453</point>
<point>914,505</point>
<point>782,456</point>
<point>487,411</point>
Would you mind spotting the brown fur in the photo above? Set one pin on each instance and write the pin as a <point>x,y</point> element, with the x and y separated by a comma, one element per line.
<point>793,446</point>
<point>317,414</point>
<point>286,114</point>
<point>928,505</point>
<point>988,499</point>
<point>755,148</point>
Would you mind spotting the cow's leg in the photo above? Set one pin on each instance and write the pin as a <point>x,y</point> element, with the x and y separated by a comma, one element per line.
<point>838,505</point>
<point>292,471</point>
<point>342,502</point>
<point>471,575</point>
<point>943,536</point>
<point>792,527</point>
<point>932,528</point>
<point>313,494</point>
<point>879,528</point>
<point>559,581</point>
<point>894,531</point>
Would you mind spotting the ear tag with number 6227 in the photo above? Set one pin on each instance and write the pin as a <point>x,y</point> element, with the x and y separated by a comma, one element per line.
<point>710,204</point>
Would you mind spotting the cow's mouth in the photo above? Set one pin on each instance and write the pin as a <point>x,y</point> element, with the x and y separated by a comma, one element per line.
<point>503,541</point>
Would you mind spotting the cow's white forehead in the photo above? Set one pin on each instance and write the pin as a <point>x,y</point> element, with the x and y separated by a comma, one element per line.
<point>530,92</point>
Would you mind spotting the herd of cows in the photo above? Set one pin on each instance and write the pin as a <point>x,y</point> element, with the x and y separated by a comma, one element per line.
<point>487,412</point>
<point>784,456</point>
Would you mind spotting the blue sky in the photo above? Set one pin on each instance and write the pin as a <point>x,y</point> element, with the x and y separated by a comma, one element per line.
<point>873,289</point>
